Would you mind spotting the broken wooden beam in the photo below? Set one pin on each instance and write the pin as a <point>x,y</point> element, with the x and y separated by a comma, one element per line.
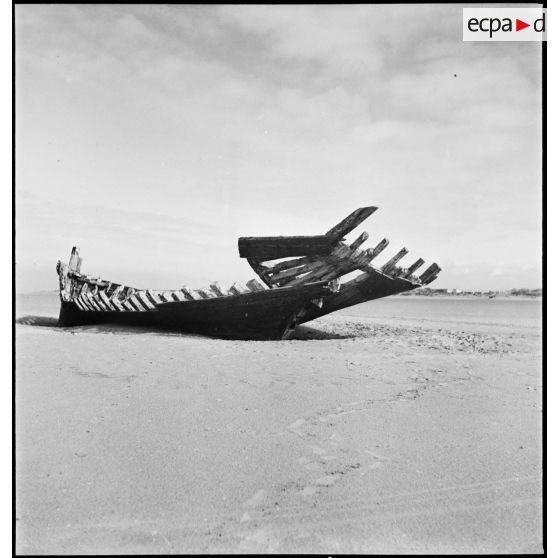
<point>430,274</point>
<point>74,262</point>
<point>254,286</point>
<point>413,268</point>
<point>380,247</point>
<point>288,264</point>
<point>189,293</point>
<point>359,241</point>
<point>351,222</point>
<point>275,247</point>
<point>387,267</point>
<point>237,288</point>
<point>205,293</point>
<point>216,288</point>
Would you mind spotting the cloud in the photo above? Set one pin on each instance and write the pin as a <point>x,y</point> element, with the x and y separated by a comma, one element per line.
<point>279,120</point>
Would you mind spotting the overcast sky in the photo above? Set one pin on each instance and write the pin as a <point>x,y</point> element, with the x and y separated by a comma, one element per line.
<point>153,136</point>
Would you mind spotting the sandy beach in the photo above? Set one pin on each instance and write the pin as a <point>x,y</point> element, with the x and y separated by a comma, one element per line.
<point>377,431</point>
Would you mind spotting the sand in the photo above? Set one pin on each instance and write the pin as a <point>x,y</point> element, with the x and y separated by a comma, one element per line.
<point>361,436</point>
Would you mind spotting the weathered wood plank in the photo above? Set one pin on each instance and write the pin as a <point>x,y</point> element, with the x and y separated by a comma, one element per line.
<point>430,274</point>
<point>413,268</point>
<point>142,295</point>
<point>237,288</point>
<point>380,247</point>
<point>351,222</point>
<point>205,293</point>
<point>129,306</point>
<point>275,247</point>
<point>103,296</point>
<point>189,293</point>
<point>359,241</point>
<point>390,264</point>
<point>217,289</point>
<point>288,264</point>
<point>134,300</point>
<point>284,277</point>
<point>74,259</point>
<point>254,286</point>
<point>80,304</point>
<point>94,303</point>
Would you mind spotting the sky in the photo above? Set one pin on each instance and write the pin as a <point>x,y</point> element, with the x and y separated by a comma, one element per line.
<point>153,136</point>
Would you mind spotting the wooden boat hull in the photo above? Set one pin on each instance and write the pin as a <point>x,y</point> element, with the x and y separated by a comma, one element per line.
<point>327,258</point>
<point>264,315</point>
<point>367,286</point>
<point>301,288</point>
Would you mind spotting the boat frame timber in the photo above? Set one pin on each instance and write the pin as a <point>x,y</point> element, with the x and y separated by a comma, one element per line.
<point>328,258</point>
<point>239,313</point>
<point>302,275</point>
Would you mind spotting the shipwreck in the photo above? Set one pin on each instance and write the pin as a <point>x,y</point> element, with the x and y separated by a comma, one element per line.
<point>301,280</point>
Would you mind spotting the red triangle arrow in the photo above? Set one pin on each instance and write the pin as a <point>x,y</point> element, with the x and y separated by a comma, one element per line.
<point>519,25</point>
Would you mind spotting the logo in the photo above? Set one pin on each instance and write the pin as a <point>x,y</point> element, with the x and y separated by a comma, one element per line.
<point>504,24</point>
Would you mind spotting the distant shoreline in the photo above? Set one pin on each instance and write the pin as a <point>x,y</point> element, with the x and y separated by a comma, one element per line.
<point>471,297</point>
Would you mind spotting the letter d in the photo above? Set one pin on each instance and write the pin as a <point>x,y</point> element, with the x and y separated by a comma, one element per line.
<point>539,23</point>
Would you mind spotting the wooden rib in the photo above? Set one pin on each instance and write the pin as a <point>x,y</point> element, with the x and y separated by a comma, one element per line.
<point>387,267</point>
<point>90,301</point>
<point>342,260</point>
<point>116,303</point>
<point>80,304</point>
<point>359,262</point>
<point>134,301</point>
<point>106,300</point>
<point>284,277</point>
<point>380,247</point>
<point>288,264</point>
<point>115,295</point>
<point>153,297</point>
<point>178,295</point>
<point>216,288</point>
<point>359,241</point>
<point>165,296</point>
<point>84,298</point>
<point>190,294</point>
<point>129,307</point>
<point>430,274</point>
<point>205,293</point>
<point>413,268</point>
<point>237,288</point>
<point>351,222</point>
<point>93,302</point>
<point>98,303</point>
<point>254,286</point>
<point>142,295</point>
<point>313,268</point>
<point>430,278</point>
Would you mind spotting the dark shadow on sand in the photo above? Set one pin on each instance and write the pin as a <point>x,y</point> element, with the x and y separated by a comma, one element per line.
<point>38,321</point>
<point>305,333</point>
<point>301,333</point>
